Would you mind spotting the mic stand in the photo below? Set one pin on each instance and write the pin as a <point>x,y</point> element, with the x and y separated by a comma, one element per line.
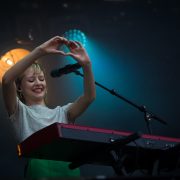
<point>148,116</point>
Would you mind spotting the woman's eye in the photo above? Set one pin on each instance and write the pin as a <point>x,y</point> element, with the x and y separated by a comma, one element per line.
<point>41,78</point>
<point>30,80</point>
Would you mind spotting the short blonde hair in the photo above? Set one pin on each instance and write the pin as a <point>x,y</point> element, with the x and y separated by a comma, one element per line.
<point>38,68</point>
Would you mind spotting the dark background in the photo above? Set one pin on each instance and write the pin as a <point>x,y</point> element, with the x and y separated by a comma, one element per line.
<point>134,47</point>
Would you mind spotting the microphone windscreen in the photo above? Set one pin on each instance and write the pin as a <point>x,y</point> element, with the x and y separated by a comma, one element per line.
<point>65,70</point>
<point>54,73</point>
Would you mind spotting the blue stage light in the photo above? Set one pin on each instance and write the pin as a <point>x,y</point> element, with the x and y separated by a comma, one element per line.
<point>76,35</point>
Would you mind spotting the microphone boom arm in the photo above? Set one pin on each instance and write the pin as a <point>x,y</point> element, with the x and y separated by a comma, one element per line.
<point>148,116</point>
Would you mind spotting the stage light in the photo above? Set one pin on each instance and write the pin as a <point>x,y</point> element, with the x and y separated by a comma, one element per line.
<point>76,35</point>
<point>11,57</point>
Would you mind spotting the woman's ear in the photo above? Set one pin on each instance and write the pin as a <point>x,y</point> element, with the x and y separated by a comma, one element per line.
<point>19,89</point>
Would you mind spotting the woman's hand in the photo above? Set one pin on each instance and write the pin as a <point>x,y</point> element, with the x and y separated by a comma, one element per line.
<point>78,52</point>
<point>53,45</point>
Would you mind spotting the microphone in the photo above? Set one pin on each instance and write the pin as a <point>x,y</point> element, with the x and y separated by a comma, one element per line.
<point>65,70</point>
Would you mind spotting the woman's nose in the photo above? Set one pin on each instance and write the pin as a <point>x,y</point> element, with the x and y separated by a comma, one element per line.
<point>37,81</point>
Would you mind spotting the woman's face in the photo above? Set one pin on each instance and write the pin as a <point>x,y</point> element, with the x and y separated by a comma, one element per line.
<point>33,86</point>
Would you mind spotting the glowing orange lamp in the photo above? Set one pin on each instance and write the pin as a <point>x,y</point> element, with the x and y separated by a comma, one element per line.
<point>10,58</point>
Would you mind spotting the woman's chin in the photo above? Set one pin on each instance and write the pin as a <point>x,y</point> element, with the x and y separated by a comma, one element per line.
<point>39,97</point>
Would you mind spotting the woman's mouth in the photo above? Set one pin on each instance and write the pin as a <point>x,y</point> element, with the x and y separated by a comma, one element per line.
<point>38,90</point>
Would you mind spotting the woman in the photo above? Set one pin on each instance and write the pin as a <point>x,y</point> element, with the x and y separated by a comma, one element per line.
<point>24,90</point>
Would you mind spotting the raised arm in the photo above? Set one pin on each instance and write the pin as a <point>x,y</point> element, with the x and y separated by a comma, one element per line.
<point>8,80</point>
<point>81,104</point>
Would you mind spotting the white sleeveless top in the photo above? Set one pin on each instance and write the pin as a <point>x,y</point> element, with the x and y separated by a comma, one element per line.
<point>28,119</point>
